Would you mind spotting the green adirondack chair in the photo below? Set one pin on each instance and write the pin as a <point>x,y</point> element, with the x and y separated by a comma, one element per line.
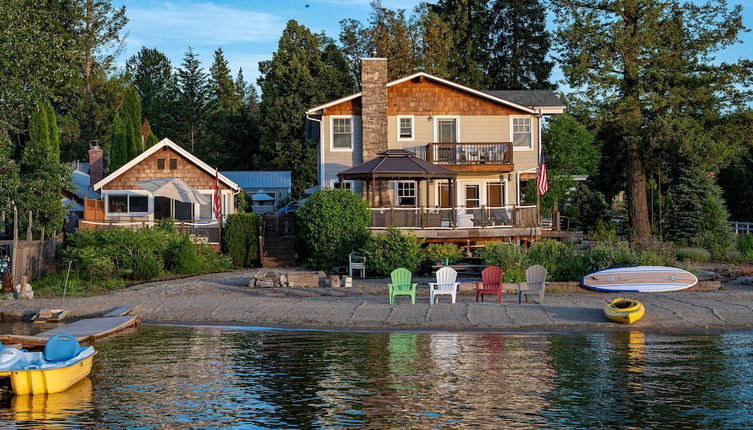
<point>401,285</point>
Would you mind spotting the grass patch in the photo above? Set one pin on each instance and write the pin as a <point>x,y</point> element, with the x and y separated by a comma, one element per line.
<point>52,286</point>
<point>696,255</point>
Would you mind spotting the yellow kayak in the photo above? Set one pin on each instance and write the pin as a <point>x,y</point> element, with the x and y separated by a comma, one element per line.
<point>624,311</point>
<point>61,365</point>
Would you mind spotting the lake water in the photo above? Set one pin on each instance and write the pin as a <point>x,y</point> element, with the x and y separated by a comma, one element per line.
<point>200,377</point>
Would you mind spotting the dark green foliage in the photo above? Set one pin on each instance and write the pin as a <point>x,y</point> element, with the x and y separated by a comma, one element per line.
<point>587,210</point>
<point>298,76</point>
<point>623,254</point>
<point>504,255</point>
<point>132,121</point>
<point>331,225</point>
<point>241,238</point>
<point>53,132</point>
<point>187,260</point>
<point>745,246</point>
<point>222,89</point>
<point>388,251</point>
<point>156,84</point>
<point>193,102</point>
<point>520,47</point>
<point>554,256</point>
<point>148,267</point>
<point>118,144</point>
<point>570,147</point>
<point>242,202</point>
<point>438,253</point>
<point>739,199</point>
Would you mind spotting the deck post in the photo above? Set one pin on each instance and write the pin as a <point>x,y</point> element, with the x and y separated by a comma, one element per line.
<point>28,228</point>
<point>14,258</point>
<point>453,217</point>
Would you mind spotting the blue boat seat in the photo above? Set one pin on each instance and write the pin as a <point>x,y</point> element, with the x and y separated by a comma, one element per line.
<point>61,347</point>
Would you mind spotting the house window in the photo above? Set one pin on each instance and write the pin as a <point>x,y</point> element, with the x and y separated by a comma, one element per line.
<point>404,128</point>
<point>447,130</point>
<point>173,163</point>
<point>342,133</point>
<point>521,132</point>
<point>117,204</point>
<point>138,203</point>
<point>160,164</point>
<point>495,194</point>
<point>344,185</point>
<point>472,199</point>
<point>205,211</point>
<point>183,211</point>
<point>406,193</point>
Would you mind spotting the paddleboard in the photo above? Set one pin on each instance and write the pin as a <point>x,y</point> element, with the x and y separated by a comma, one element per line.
<point>639,279</point>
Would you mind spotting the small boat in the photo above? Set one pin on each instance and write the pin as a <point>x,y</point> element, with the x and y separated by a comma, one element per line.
<point>649,279</point>
<point>62,364</point>
<point>625,311</point>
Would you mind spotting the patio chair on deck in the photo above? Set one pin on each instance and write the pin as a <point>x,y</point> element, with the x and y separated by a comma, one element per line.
<point>535,283</point>
<point>445,285</point>
<point>491,283</point>
<point>401,285</point>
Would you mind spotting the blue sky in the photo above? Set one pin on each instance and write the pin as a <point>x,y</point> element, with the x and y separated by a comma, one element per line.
<point>248,31</point>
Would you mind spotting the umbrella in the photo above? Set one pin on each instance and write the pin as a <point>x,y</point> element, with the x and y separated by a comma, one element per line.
<point>175,189</point>
<point>261,196</point>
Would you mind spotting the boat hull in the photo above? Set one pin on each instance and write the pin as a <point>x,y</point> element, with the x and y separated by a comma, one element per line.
<point>48,381</point>
<point>626,315</point>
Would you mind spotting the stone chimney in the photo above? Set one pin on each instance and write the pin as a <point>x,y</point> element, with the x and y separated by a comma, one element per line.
<point>373,105</point>
<point>96,164</point>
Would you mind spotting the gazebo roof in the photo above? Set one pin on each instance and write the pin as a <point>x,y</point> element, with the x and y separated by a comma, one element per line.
<point>396,164</point>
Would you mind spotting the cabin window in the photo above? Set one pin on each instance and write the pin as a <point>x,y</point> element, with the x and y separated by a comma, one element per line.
<point>404,128</point>
<point>406,193</point>
<point>117,204</point>
<point>160,164</point>
<point>342,133</point>
<point>183,211</point>
<point>173,163</point>
<point>447,130</point>
<point>521,133</point>
<point>205,211</point>
<point>138,203</point>
<point>472,199</point>
<point>345,185</point>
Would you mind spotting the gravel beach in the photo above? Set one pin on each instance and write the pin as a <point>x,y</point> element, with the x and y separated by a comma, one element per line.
<point>226,299</point>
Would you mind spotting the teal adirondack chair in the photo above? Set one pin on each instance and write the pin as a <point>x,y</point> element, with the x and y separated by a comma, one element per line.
<point>401,285</point>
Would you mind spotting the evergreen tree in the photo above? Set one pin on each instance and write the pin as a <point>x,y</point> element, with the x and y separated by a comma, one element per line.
<point>645,67</point>
<point>152,75</point>
<point>295,79</point>
<point>570,147</point>
<point>221,86</point>
<point>100,25</point>
<point>392,36</point>
<point>469,21</point>
<point>193,100</point>
<point>739,198</point>
<point>119,144</point>
<point>435,42</point>
<point>35,155</point>
<point>132,122</point>
<point>521,45</point>
<point>54,132</point>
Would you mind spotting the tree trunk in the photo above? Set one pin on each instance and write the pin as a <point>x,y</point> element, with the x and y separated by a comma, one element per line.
<point>636,193</point>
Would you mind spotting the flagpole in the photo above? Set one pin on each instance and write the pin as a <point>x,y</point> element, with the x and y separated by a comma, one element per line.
<point>219,220</point>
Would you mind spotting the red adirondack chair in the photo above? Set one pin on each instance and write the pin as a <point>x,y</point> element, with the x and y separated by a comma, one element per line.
<point>491,283</point>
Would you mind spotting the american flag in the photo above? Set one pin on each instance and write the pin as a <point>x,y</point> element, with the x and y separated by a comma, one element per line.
<point>541,182</point>
<point>216,199</point>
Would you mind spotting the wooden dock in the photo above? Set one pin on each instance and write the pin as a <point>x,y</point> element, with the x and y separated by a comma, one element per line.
<point>85,330</point>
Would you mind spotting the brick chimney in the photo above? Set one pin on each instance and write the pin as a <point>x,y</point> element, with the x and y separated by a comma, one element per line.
<point>373,105</point>
<point>96,164</point>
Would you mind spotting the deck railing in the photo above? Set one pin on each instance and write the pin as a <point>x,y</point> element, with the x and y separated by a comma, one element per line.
<point>202,231</point>
<point>739,227</point>
<point>458,218</point>
<point>445,153</point>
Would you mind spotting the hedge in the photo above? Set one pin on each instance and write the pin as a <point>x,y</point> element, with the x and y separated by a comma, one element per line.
<point>241,238</point>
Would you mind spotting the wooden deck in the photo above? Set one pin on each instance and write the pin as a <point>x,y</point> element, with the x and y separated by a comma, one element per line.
<point>85,330</point>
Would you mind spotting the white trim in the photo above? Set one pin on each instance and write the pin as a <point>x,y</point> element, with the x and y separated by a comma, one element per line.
<point>156,147</point>
<point>512,133</point>
<point>434,78</point>
<point>332,183</point>
<point>457,127</point>
<point>412,128</point>
<point>332,119</point>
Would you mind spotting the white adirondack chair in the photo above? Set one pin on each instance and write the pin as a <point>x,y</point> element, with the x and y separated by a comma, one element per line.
<point>535,283</point>
<point>445,284</point>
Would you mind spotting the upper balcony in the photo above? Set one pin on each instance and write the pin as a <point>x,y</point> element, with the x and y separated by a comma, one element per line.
<point>472,157</point>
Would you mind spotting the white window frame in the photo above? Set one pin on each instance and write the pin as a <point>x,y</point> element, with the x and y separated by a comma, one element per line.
<point>415,193</point>
<point>348,183</point>
<point>479,189</point>
<point>412,128</point>
<point>512,133</point>
<point>332,118</point>
<point>128,194</point>
<point>457,127</point>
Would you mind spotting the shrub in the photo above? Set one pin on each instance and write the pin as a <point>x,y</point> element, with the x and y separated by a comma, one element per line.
<point>504,255</point>
<point>554,256</point>
<point>697,255</point>
<point>386,252</point>
<point>147,267</point>
<point>211,261</point>
<point>745,246</point>
<point>331,225</point>
<point>437,253</point>
<point>621,254</point>
<point>242,238</point>
<point>514,274</point>
<point>588,210</point>
<point>188,262</point>
<point>603,231</point>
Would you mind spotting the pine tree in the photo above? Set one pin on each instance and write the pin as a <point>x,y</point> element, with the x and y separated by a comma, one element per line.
<point>193,101</point>
<point>221,86</point>
<point>119,144</point>
<point>54,132</point>
<point>521,45</point>
<point>132,122</point>
<point>156,84</point>
<point>36,153</point>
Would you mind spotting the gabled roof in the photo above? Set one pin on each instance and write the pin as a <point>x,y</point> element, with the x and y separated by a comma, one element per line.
<point>531,98</point>
<point>156,147</point>
<point>259,178</point>
<point>469,90</point>
<point>397,164</point>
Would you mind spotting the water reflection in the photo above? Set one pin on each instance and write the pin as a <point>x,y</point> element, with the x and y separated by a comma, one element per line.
<point>181,377</point>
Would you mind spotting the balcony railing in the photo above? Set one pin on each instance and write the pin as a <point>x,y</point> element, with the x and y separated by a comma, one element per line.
<point>459,154</point>
<point>457,218</point>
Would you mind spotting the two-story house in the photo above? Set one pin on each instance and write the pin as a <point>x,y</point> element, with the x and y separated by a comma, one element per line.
<point>443,159</point>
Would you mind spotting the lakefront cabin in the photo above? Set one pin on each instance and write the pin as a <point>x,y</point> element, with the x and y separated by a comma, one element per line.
<point>444,160</point>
